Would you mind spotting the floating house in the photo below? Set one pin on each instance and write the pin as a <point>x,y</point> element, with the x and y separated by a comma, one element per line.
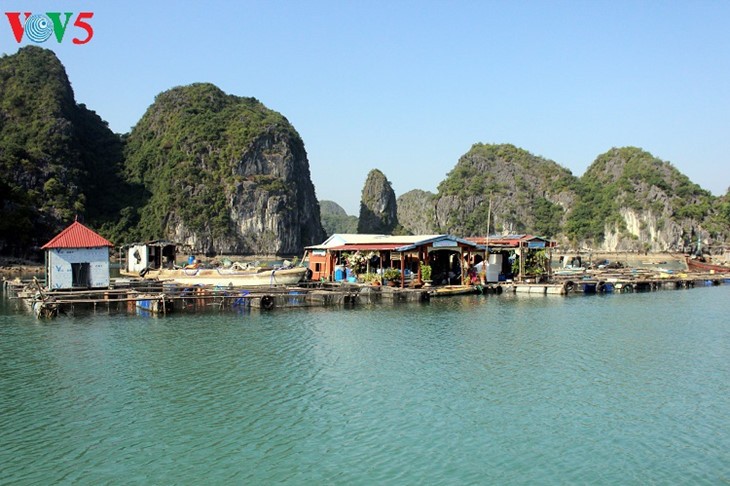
<point>77,258</point>
<point>500,247</point>
<point>447,256</point>
<point>151,255</point>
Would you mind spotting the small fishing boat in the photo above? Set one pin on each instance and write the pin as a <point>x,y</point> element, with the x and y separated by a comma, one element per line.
<point>444,290</point>
<point>235,276</point>
<point>155,260</point>
<point>695,265</point>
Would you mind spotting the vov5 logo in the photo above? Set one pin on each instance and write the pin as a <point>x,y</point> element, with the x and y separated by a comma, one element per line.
<point>39,27</point>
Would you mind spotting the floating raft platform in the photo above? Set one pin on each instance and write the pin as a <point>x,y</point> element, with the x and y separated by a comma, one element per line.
<point>602,283</point>
<point>146,297</point>
<point>161,298</point>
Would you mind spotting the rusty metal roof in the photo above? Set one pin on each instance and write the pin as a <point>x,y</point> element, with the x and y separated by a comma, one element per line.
<point>400,243</point>
<point>508,241</point>
<point>77,236</point>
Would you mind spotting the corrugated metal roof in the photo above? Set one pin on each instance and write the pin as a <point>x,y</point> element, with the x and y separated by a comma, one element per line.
<point>511,241</point>
<point>77,236</point>
<point>340,239</point>
<point>365,247</point>
<point>341,242</point>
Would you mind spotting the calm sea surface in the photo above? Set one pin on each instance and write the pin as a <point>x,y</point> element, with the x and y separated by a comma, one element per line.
<point>614,389</point>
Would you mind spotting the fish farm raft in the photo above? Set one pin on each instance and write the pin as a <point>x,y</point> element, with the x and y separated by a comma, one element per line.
<point>159,298</point>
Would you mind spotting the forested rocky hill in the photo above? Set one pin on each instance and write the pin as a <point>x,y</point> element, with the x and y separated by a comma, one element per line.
<point>224,174</point>
<point>335,219</point>
<point>58,159</point>
<point>528,193</point>
<point>221,173</point>
<point>628,200</point>
<point>378,211</point>
<point>417,212</point>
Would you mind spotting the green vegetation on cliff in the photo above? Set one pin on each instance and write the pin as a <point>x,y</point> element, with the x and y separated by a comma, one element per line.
<point>58,159</point>
<point>718,220</point>
<point>496,168</point>
<point>525,191</point>
<point>186,151</point>
<point>630,178</point>
<point>335,219</point>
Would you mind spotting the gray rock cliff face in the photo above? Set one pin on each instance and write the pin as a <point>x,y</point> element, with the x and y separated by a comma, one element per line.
<point>378,209</point>
<point>528,194</point>
<point>276,220</point>
<point>268,218</point>
<point>241,184</point>
<point>656,207</point>
<point>417,212</point>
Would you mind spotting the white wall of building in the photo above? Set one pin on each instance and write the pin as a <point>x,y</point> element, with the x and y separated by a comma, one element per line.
<point>132,264</point>
<point>59,268</point>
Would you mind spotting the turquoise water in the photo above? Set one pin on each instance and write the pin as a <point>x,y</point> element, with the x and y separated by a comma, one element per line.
<point>614,389</point>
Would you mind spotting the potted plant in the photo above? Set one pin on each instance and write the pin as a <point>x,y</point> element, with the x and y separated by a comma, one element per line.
<point>426,272</point>
<point>370,278</point>
<point>391,275</point>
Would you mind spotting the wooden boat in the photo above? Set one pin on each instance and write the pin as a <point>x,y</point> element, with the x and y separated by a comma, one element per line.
<point>444,290</point>
<point>694,265</point>
<point>230,277</point>
<point>155,260</point>
<point>44,309</point>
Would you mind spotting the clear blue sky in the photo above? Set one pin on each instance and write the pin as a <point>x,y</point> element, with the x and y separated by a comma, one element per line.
<point>408,87</point>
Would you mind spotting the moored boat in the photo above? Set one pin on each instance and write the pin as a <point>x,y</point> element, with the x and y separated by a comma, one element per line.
<point>444,290</point>
<point>230,277</point>
<point>695,265</point>
<point>155,260</point>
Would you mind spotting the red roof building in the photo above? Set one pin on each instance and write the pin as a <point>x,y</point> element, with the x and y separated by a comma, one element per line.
<point>77,258</point>
<point>77,236</point>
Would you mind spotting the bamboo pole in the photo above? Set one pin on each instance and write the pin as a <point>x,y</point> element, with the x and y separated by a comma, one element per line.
<point>486,245</point>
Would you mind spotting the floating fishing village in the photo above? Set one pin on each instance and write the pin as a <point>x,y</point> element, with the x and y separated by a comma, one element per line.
<point>345,270</point>
<point>342,243</point>
<point>502,220</point>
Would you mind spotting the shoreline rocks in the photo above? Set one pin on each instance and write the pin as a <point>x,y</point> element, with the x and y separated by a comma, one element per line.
<point>14,267</point>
